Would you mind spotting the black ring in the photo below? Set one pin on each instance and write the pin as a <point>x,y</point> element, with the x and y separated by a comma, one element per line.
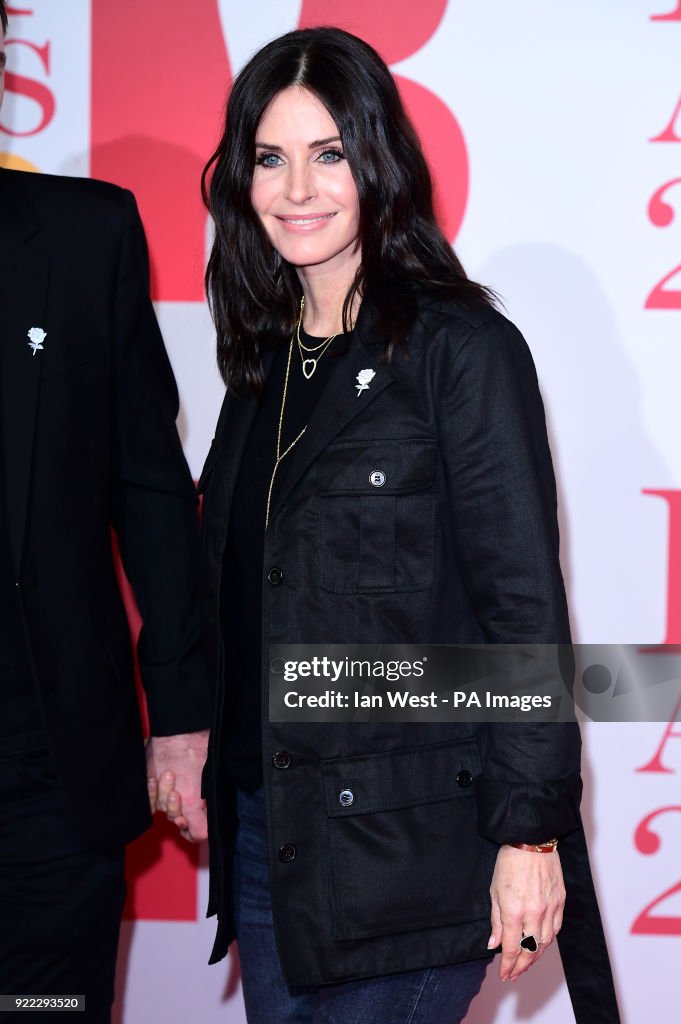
<point>529,943</point>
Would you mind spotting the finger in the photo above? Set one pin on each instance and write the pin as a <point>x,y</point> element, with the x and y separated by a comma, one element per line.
<point>197,824</point>
<point>174,812</point>
<point>166,784</point>
<point>174,803</point>
<point>495,921</point>
<point>152,791</point>
<point>510,948</point>
<point>526,957</point>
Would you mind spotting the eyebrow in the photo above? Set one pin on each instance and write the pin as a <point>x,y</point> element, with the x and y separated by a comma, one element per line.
<point>312,145</point>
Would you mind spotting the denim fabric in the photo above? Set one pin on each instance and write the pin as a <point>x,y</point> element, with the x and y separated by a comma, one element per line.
<point>439,995</point>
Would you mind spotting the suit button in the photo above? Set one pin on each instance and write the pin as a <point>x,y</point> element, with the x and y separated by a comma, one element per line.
<point>282,759</point>
<point>464,778</point>
<point>287,853</point>
<point>275,576</point>
<point>346,798</point>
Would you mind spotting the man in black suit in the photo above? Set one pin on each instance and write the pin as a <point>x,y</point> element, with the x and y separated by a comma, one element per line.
<point>87,442</point>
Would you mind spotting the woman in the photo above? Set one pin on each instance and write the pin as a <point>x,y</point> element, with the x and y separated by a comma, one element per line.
<point>380,473</point>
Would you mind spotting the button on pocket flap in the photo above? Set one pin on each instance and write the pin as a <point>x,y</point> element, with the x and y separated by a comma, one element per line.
<point>378,467</point>
<point>401,778</point>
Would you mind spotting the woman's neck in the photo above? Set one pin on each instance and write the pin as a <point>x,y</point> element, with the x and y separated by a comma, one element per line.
<point>324,298</point>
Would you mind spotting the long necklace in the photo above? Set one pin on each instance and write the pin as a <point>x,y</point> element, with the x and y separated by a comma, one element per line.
<point>310,363</point>
<point>279,454</point>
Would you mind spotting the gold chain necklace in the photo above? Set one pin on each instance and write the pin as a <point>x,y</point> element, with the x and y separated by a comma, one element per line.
<point>310,363</point>
<point>279,454</point>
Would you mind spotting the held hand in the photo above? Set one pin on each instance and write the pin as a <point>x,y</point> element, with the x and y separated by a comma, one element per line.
<point>528,896</point>
<point>177,762</point>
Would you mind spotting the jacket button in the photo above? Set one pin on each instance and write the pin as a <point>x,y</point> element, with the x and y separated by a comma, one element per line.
<point>346,798</point>
<point>282,759</point>
<point>464,778</point>
<point>275,576</point>
<point>287,853</point>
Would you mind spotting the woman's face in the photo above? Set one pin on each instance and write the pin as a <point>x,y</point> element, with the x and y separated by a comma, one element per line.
<point>302,190</point>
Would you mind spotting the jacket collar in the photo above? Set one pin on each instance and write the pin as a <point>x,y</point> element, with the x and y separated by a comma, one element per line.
<point>338,404</point>
<point>24,275</point>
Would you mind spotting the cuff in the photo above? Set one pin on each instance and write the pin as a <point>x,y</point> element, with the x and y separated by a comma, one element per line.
<point>524,812</point>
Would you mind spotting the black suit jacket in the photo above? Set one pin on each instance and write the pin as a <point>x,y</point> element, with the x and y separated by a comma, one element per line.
<point>90,444</point>
<point>459,545</point>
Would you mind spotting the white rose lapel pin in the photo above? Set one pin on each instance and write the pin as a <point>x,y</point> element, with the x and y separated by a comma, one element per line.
<point>36,338</point>
<point>364,377</point>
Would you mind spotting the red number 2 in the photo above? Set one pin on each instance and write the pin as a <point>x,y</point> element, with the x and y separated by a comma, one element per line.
<point>661,214</point>
<point>648,842</point>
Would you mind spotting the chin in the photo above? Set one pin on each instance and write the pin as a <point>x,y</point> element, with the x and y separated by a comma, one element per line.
<point>315,255</point>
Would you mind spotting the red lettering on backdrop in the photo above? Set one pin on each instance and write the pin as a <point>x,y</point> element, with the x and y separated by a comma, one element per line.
<point>159,81</point>
<point>648,842</point>
<point>672,16</point>
<point>673,626</point>
<point>655,763</point>
<point>661,214</point>
<point>404,32</point>
<point>668,134</point>
<point>673,499</point>
<point>32,90</point>
<point>12,10</point>
<point>396,33</point>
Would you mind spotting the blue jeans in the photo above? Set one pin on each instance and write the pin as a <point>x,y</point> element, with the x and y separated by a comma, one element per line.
<point>437,995</point>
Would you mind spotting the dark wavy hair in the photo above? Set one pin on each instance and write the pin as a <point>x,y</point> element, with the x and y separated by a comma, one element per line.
<point>3,15</point>
<point>253,293</point>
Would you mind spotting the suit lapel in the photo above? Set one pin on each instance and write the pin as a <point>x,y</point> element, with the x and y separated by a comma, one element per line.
<point>340,401</point>
<point>24,274</point>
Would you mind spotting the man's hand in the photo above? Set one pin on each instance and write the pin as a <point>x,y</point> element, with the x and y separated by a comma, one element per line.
<point>174,766</point>
<point>528,896</point>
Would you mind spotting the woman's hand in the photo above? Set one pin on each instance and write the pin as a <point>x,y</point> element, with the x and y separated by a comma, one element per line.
<point>528,896</point>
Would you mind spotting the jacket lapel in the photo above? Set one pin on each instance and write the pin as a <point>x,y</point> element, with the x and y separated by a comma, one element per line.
<point>231,433</point>
<point>24,274</point>
<point>339,403</point>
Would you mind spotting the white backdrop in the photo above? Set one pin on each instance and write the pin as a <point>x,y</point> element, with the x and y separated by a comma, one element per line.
<point>560,105</point>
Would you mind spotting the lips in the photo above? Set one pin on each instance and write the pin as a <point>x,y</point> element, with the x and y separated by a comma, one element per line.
<point>307,221</point>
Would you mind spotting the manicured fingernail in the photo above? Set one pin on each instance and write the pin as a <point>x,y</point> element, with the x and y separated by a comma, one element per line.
<point>492,942</point>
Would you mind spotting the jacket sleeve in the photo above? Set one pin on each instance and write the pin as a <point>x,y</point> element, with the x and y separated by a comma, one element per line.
<point>502,496</point>
<point>154,506</point>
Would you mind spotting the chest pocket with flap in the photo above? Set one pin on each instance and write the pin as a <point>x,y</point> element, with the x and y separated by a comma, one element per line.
<point>376,518</point>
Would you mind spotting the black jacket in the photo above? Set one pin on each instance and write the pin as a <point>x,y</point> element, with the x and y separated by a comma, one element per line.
<point>90,443</point>
<point>460,545</point>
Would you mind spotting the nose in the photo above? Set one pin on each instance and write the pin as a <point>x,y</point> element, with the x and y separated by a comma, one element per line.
<point>300,184</point>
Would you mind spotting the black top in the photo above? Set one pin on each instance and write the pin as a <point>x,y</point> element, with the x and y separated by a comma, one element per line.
<point>21,722</point>
<point>241,600</point>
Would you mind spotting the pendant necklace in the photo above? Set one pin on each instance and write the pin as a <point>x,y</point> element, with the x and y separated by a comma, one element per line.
<point>310,362</point>
<point>279,454</point>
